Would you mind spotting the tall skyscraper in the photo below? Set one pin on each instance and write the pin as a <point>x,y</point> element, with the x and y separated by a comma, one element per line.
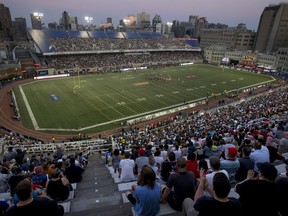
<point>143,20</point>
<point>8,32</point>
<point>156,23</point>
<point>65,21</point>
<point>272,32</point>
<point>21,26</point>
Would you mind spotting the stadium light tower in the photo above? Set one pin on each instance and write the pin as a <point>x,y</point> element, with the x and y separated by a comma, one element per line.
<point>89,21</point>
<point>36,20</point>
<point>38,15</point>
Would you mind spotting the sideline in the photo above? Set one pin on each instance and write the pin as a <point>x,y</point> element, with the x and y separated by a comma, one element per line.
<point>33,119</point>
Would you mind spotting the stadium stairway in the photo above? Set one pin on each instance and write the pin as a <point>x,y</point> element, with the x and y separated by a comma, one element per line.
<point>98,195</point>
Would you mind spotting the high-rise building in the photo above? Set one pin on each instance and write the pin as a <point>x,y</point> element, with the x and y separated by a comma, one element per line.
<point>21,26</point>
<point>156,23</point>
<point>6,27</point>
<point>109,20</point>
<point>272,32</point>
<point>143,20</point>
<point>65,21</point>
<point>230,38</point>
<point>8,31</point>
<point>36,20</point>
<point>282,59</point>
<point>73,23</point>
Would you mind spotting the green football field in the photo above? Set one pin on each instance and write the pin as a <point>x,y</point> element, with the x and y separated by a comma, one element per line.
<point>99,102</point>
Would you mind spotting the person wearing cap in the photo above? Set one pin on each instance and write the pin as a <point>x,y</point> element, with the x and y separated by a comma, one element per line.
<point>126,167</point>
<point>258,194</point>
<point>141,160</point>
<point>184,184</point>
<point>231,164</point>
<point>215,167</point>
<point>39,178</point>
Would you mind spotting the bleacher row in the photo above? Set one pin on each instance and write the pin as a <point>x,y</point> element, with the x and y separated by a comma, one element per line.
<point>165,209</point>
<point>65,204</point>
<point>93,145</point>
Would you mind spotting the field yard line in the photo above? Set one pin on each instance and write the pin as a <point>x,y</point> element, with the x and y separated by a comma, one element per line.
<point>118,101</point>
<point>34,122</point>
<point>96,107</point>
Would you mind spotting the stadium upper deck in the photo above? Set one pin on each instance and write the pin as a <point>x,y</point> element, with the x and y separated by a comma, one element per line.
<point>58,42</point>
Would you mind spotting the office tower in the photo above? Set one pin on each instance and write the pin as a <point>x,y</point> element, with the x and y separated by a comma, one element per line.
<point>272,32</point>
<point>143,20</point>
<point>21,26</point>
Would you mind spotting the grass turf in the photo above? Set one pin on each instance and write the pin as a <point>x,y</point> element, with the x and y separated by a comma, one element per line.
<point>110,97</point>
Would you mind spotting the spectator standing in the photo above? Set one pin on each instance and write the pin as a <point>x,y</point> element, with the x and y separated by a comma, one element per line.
<point>116,158</point>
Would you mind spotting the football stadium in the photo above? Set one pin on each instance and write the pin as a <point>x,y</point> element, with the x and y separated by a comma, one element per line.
<point>106,122</point>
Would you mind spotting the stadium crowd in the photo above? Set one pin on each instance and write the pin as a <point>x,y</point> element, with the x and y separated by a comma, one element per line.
<point>112,60</point>
<point>98,44</point>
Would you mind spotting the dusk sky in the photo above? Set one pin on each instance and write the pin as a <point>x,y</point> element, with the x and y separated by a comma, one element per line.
<point>230,12</point>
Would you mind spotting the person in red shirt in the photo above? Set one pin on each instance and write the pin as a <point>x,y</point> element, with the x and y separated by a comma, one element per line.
<point>192,164</point>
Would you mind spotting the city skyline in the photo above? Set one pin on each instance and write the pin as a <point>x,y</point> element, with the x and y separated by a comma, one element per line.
<point>227,12</point>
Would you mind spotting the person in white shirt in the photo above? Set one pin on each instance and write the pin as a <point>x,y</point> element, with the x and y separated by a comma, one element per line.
<point>164,152</point>
<point>158,158</point>
<point>177,151</point>
<point>126,167</point>
<point>215,166</point>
